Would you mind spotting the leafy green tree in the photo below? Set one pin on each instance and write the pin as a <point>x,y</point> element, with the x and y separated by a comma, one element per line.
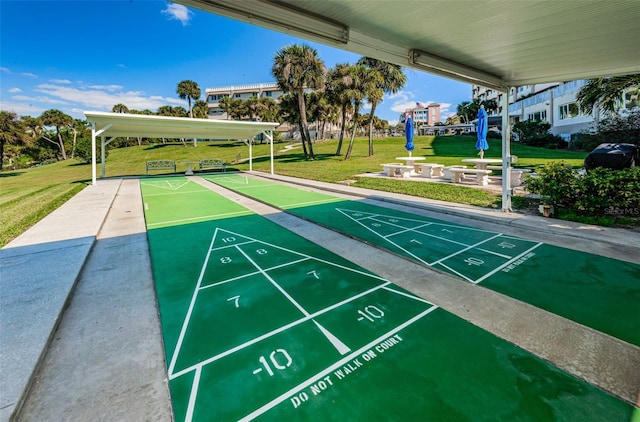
<point>200,109</point>
<point>464,111</point>
<point>120,108</point>
<point>297,68</point>
<point>234,107</point>
<point>12,132</point>
<point>393,79</point>
<point>189,90</point>
<point>58,120</point>
<point>170,111</point>
<point>606,93</point>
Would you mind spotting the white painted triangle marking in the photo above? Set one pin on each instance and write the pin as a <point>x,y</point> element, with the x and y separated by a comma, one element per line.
<point>335,341</point>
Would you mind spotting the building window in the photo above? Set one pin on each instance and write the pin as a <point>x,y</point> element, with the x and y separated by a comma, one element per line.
<point>567,111</point>
<point>538,116</point>
<point>268,94</point>
<point>237,95</point>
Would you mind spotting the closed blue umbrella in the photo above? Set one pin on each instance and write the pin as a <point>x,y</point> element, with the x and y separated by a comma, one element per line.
<point>481,143</point>
<point>408,133</point>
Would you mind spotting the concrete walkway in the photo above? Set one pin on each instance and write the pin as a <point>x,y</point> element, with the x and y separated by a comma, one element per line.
<point>104,358</point>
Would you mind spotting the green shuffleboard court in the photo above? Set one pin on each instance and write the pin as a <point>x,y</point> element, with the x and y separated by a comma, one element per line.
<point>259,323</point>
<point>595,291</point>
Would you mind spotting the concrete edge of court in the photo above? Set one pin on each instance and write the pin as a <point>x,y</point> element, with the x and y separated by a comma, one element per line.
<point>40,269</point>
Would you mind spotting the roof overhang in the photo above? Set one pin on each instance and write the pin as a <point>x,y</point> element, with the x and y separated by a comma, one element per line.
<point>493,43</point>
<point>115,125</point>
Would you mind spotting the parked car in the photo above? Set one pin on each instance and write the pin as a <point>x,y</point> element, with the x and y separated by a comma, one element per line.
<point>613,156</point>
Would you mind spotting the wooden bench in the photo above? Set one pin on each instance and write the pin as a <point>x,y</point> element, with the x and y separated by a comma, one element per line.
<point>213,164</point>
<point>430,170</point>
<point>481,177</point>
<point>161,165</point>
<point>397,169</point>
<point>517,175</point>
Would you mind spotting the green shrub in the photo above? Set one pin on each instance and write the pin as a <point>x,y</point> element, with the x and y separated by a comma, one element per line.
<point>536,134</point>
<point>83,150</point>
<point>555,183</point>
<point>600,192</point>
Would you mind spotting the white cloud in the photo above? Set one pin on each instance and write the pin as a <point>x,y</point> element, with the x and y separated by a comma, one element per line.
<point>14,90</point>
<point>22,109</point>
<point>178,12</point>
<point>60,81</point>
<point>105,87</point>
<point>27,74</point>
<point>39,99</point>
<point>103,97</point>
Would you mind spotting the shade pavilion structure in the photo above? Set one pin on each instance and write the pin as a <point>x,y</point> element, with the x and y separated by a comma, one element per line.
<point>497,44</point>
<point>109,126</point>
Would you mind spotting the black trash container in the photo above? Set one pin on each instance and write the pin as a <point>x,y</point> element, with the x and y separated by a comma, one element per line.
<point>613,156</point>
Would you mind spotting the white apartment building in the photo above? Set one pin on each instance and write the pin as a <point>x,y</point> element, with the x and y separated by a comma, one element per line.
<point>214,95</point>
<point>554,102</point>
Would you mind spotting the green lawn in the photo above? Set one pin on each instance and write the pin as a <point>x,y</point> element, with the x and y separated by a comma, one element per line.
<point>28,195</point>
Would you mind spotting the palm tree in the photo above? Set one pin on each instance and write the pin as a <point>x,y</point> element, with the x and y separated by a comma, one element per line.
<point>393,79</point>
<point>120,108</point>
<point>12,131</point>
<point>338,81</point>
<point>188,90</point>
<point>296,68</point>
<point>464,111</point>
<point>606,93</point>
<point>363,82</point>
<point>200,109</point>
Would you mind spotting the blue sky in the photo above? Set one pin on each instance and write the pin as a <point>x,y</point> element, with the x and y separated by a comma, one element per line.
<point>89,55</point>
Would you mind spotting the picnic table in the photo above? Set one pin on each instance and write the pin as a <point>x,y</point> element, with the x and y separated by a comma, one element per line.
<point>482,163</point>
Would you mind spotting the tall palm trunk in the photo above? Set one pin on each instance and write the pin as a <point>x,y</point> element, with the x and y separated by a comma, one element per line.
<point>372,114</point>
<point>304,129</point>
<point>342,126</point>
<point>353,134</point>
<point>302,140</point>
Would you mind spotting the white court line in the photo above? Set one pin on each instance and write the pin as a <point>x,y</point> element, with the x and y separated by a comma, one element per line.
<point>435,223</point>
<point>274,332</point>
<point>204,217</point>
<point>273,403</point>
<point>466,249</point>
<point>537,245</point>
<point>185,323</point>
<point>175,193</point>
<point>300,204</point>
<point>495,253</point>
<point>340,346</point>
<point>193,395</point>
<point>410,296</point>
<point>275,267</point>
<point>459,274</point>
<point>308,256</point>
<point>275,284</point>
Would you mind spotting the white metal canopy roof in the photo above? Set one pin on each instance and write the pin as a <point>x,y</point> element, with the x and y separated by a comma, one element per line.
<point>115,125</point>
<point>151,126</point>
<point>493,43</point>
